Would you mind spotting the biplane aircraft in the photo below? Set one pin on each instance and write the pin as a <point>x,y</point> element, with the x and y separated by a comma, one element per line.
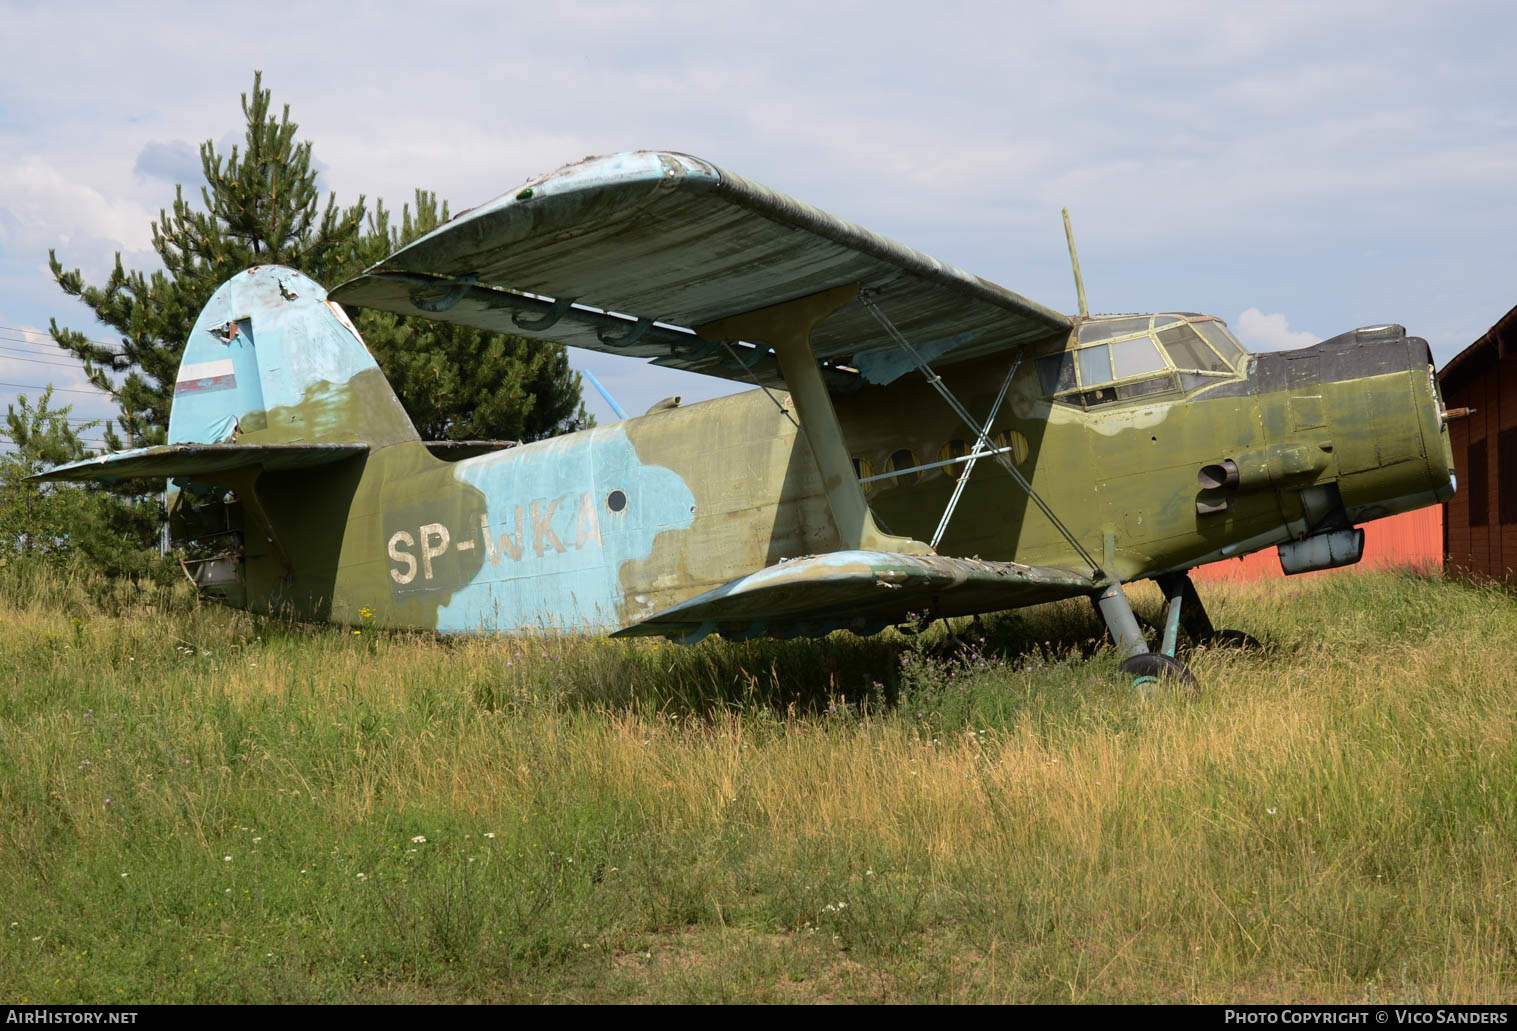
<point>920,440</point>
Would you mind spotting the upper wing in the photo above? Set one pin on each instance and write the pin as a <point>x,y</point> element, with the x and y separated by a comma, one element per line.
<point>671,241</point>
<point>863,591</point>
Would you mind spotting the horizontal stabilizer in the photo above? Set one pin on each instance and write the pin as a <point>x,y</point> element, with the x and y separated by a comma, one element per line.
<point>199,461</point>
<point>862,591</point>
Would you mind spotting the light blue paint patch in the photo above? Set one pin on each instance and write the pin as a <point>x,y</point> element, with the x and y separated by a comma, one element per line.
<point>881,365</point>
<point>631,169</point>
<point>288,339</point>
<point>583,505</point>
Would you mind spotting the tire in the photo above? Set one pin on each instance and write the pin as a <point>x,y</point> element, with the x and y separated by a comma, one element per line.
<point>1150,667</point>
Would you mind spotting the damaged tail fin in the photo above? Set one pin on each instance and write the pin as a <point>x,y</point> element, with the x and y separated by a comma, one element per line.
<point>272,361</point>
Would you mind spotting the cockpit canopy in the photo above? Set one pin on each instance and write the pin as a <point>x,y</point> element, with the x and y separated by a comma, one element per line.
<point>1122,357</point>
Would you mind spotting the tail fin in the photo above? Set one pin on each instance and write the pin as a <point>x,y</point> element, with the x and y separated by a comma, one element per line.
<point>272,361</point>
<point>275,382</point>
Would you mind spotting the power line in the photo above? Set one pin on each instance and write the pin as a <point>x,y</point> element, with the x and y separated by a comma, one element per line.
<point>93,391</point>
<point>17,344</point>
<point>29,347</point>
<point>24,329</point>
<point>37,361</point>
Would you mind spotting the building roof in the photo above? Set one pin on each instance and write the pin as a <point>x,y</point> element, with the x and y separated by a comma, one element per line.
<point>1500,341</point>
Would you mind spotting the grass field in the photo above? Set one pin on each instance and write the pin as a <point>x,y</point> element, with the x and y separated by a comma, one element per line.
<point>202,806</point>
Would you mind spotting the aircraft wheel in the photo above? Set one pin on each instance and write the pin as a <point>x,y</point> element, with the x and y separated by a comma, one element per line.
<point>1155,667</point>
<point>1234,639</point>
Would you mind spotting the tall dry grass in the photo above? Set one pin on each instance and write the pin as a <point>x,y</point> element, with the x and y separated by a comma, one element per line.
<point>1333,818</point>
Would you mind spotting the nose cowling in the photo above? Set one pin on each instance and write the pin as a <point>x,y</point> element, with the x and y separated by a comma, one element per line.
<point>1372,397</point>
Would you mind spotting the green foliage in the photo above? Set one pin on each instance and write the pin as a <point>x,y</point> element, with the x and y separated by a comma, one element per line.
<point>459,383</point>
<point>62,522</point>
<point>261,205</point>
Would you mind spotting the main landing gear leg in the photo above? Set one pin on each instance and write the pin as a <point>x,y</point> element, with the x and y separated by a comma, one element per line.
<point>1146,666</point>
<point>1188,614</point>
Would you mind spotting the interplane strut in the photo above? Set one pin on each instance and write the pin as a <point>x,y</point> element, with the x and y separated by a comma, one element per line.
<point>867,298</point>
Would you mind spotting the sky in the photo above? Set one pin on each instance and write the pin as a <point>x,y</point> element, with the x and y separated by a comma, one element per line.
<point>1297,169</point>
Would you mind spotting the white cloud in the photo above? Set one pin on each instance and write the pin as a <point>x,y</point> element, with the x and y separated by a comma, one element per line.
<point>46,207</point>
<point>1261,332</point>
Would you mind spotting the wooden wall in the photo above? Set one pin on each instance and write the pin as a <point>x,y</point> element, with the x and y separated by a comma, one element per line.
<point>1482,517</point>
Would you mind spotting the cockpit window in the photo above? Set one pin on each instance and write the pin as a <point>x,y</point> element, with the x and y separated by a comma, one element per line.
<point>1217,335</point>
<point>1135,357</point>
<point>1095,364</point>
<point>1188,351</point>
<point>1108,329</point>
<point>1057,372</point>
<point>1119,359</point>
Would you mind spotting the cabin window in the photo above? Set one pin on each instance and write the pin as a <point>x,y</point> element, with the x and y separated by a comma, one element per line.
<point>903,459</point>
<point>951,450</point>
<point>1013,439</point>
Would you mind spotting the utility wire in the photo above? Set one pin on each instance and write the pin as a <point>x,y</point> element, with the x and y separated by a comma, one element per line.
<point>37,361</point>
<point>93,391</point>
<point>24,329</point>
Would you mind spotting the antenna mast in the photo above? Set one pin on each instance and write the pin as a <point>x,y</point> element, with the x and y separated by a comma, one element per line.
<point>1074,259</point>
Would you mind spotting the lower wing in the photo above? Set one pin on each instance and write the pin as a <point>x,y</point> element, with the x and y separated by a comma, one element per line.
<point>863,591</point>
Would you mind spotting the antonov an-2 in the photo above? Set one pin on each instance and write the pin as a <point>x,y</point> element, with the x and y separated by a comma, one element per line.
<point>921,441</point>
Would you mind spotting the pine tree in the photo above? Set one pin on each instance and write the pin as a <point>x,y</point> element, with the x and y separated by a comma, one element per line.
<point>459,383</point>
<point>261,205</point>
<point>60,521</point>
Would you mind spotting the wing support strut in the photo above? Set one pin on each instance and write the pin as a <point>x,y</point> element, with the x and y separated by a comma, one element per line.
<point>787,329</point>
<point>867,298</point>
<point>981,446</point>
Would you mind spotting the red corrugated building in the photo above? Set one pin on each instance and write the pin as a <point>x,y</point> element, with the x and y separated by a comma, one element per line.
<point>1480,528</point>
<point>1411,540</point>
